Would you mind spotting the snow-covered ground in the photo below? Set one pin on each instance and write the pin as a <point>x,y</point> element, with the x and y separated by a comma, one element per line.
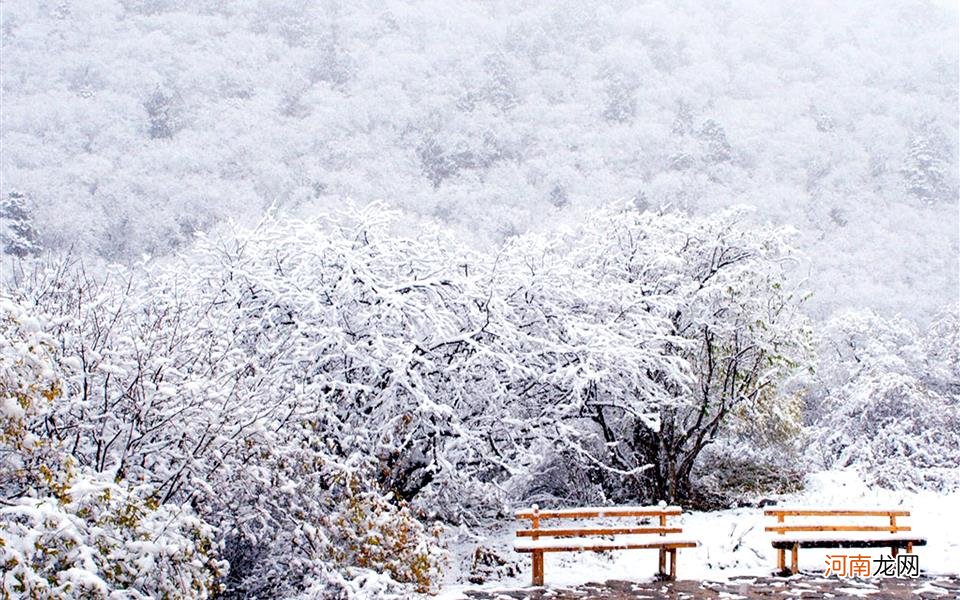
<point>732,542</point>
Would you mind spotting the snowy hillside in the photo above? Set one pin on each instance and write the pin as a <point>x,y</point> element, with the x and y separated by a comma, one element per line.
<point>149,120</point>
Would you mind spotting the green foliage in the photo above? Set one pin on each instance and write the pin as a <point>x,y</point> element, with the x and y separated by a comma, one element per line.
<point>370,531</point>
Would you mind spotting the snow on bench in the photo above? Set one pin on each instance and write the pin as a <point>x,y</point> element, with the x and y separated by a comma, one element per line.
<point>588,512</point>
<point>817,529</point>
<point>601,538</point>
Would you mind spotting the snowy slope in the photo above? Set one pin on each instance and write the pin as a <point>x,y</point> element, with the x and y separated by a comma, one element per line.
<point>146,121</point>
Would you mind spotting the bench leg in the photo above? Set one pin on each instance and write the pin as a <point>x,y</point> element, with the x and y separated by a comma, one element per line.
<point>781,560</point>
<point>537,567</point>
<point>663,563</point>
<point>893,551</point>
<point>909,547</point>
<point>793,559</point>
<point>673,564</point>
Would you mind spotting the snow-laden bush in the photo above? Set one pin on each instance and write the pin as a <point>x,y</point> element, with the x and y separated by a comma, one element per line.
<point>304,520</point>
<point>64,530</point>
<point>895,430</point>
<point>29,384</point>
<point>97,537</point>
<point>251,377</point>
<point>381,536</point>
<point>890,400</point>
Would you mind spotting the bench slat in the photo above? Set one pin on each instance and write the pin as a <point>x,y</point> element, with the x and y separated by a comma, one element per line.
<point>785,528</point>
<point>605,548</point>
<point>848,543</point>
<point>584,531</point>
<point>792,512</point>
<point>590,513</point>
<point>594,545</point>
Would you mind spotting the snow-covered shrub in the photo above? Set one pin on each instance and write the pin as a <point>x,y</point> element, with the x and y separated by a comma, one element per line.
<point>99,536</point>
<point>895,430</point>
<point>29,384</point>
<point>373,533</point>
<point>890,400</point>
<point>303,515</point>
<point>489,564</point>
<point>64,530</point>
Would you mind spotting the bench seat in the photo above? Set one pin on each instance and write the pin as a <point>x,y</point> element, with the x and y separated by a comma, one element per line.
<point>892,541</point>
<point>587,544</point>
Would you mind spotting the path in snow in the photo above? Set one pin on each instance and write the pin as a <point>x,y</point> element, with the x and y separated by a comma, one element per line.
<point>746,588</point>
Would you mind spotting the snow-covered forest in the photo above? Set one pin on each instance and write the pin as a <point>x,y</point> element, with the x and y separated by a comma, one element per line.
<point>302,299</point>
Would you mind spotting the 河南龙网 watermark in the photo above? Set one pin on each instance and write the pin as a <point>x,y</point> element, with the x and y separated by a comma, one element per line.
<point>902,565</point>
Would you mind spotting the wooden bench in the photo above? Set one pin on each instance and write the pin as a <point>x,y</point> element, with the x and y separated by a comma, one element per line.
<point>825,532</point>
<point>600,538</point>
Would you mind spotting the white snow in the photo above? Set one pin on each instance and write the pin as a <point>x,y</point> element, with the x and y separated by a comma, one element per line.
<point>861,592</point>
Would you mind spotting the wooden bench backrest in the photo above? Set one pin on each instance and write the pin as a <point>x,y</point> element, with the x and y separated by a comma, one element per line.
<point>535,516</point>
<point>827,524</point>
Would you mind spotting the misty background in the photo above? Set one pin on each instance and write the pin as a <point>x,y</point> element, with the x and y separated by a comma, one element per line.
<point>129,126</point>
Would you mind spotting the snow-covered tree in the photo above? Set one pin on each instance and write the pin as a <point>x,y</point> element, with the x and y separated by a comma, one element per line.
<point>163,108</point>
<point>927,172</point>
<point>731,320</point>
<point>17,234</point>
